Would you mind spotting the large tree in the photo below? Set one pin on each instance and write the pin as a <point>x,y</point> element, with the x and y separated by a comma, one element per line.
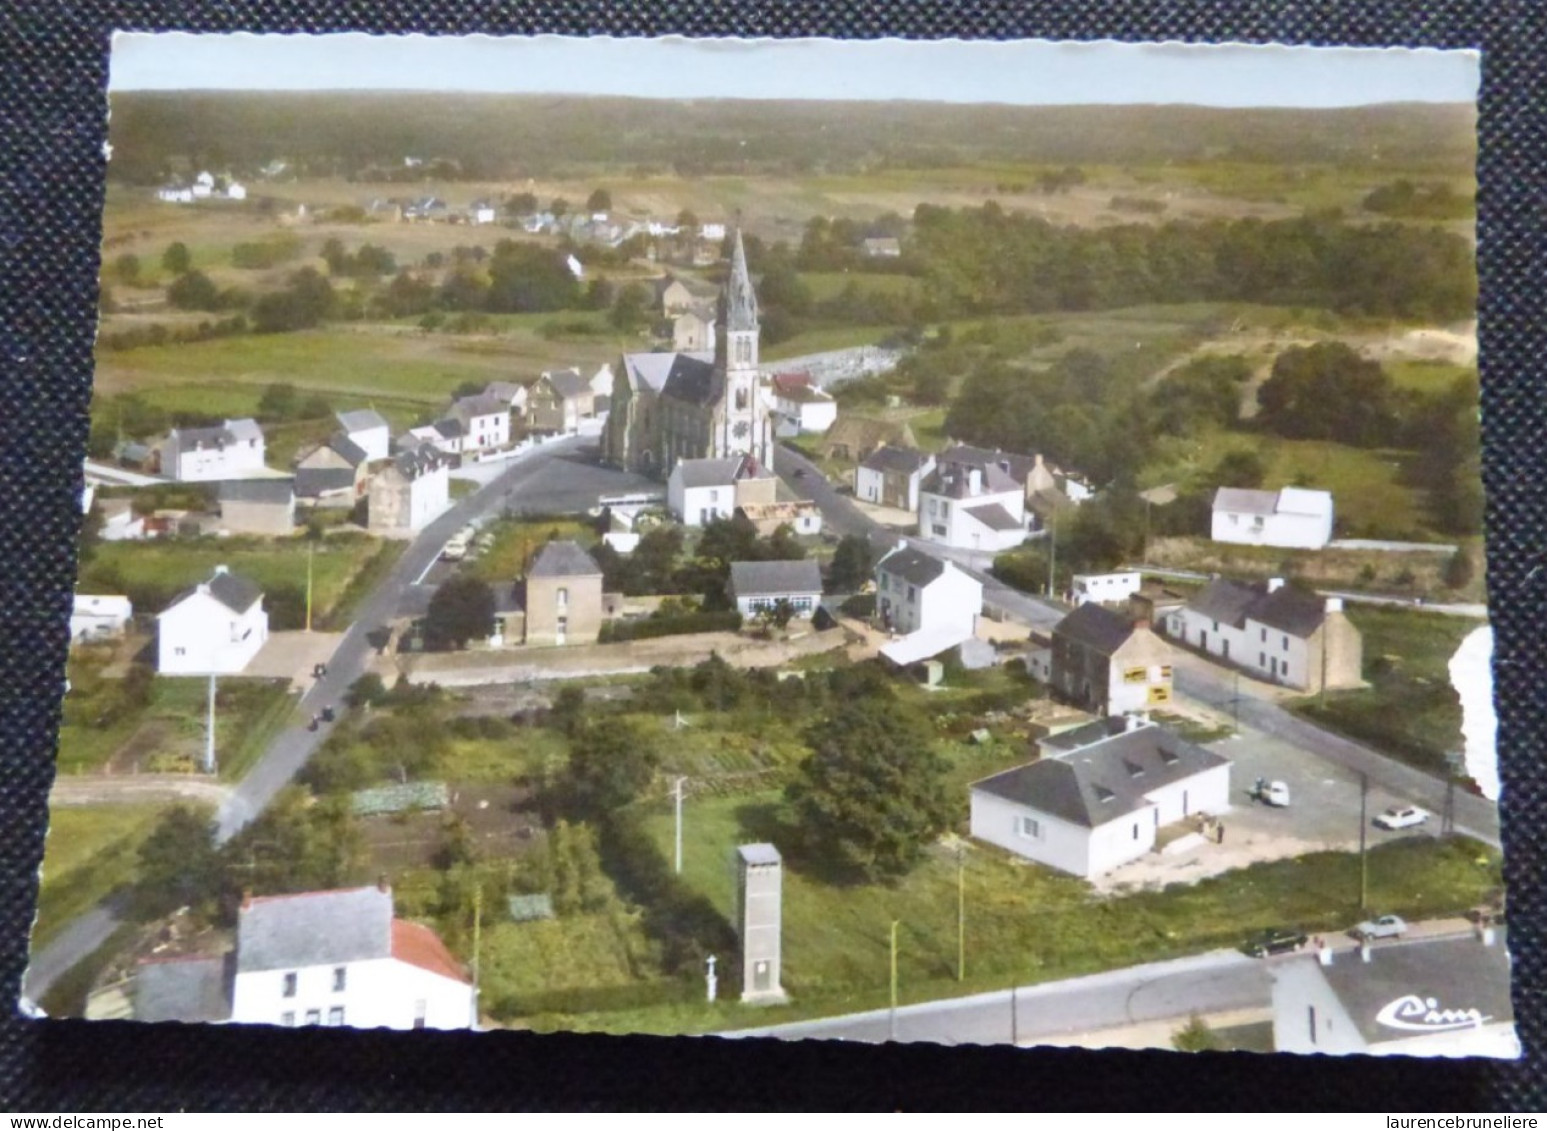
<point>1327,391</point>
<point>461,609</point>
<point>851,566</point>
<point>611,761</point>
<point>871,796</point>
<point>179,864</point>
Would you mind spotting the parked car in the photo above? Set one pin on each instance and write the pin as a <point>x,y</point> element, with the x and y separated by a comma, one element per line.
<point>1401,817</point>
<point>1274,793</point>
<point>1274,941</point>
<point>1385,927</point>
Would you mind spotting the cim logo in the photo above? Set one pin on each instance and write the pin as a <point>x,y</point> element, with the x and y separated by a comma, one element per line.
<point>1423,1015</point>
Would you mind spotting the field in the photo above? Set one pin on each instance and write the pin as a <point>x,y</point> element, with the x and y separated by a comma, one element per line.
<point>1410,710</point>
<point>90,852</point>
<point>516,543</point>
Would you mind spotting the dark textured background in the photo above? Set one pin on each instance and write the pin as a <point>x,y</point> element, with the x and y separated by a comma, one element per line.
<point>53,75</point>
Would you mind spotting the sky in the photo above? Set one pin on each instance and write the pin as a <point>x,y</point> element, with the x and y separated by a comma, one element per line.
<point>1025,72</point>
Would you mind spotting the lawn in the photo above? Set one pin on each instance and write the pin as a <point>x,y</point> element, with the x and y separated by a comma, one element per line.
<point>1428,376</point>
<point>516,542</point>
<point>152,573</point>
<point>90,851</point>
<point>1410,710</point>
<point>828,284</point>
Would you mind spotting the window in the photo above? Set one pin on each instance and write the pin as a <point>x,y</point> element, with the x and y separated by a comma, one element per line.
<point>714,496</point>
<point>314,1017</point>
<point>1165,671</point>
<point>741,400</point>
<point>1262,659</point>
<point>1135,675</point>
<point>1286,643</point>
<point>1264,636</point>
<point>340,978</point>
<point>1216,626</point>
<point>420,1008</point>
<point>1136,831</point>
<point>1311,1016</point>
<point>179,651</point>
<point>287,1019</point>
<point>1028,827</point>
<point>563,597</point>
<point>290,980</point>
<point>913,594</point>
<point>885,579</point>
<point>336,1016</point>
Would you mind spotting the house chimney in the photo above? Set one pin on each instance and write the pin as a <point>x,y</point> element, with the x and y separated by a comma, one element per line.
<point>1275,584</point>
<point>974,481</point>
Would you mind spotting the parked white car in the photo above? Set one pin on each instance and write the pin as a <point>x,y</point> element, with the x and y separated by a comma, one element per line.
<point>1401,817</point>
<point>1386,927</point>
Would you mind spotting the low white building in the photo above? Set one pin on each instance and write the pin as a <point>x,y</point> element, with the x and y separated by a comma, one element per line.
<point>756,586</point>
<point>119,522</point>
<point>891,477</point>
<point>203,455</point>
<point>1095,805</point>
<point>412,490</point>
<point>445,436</point>
<point>916,592</point>
<point>1294,518</point>
<point>701,490</point>
<point>369,432</point>
<point>99,618</point>
<point>1103,588</point>
<point>236,191</point>
<point>972,506</point>
<point>215,628</point>
<point>1277,632</point>
<point>485,423</point>
<point>332,958</point>
<point>1441,997</point>
<point>799,405</point>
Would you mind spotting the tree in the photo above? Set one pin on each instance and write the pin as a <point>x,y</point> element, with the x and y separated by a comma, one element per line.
<point>630,311</point>
<point>521,204</point>
<point>279,402</point>
<point>176,260</point>
<point>126,269</point>
<point>611,761</point>
<point>1196,1036</point>
<point>1458,570</point>
<point>851,566</point>
<point>1240,467</point>
<point>599,201</point>
<point>1328,392</point>
<point>194,290</point>
<point>559,206</point>
<point>179,864</point>
<point>461,609</point>
<point>872,793</point>
<point>367,691</point>
<point>567,713</point>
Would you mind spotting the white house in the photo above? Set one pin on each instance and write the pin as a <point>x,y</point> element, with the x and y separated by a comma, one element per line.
<point>800,405</point>
<point>1103,588</point>
<point>119,522</point>
<point>445,436</point>
<point>203,185</point>
<point>1294,518</point>
<point>368,430</point>
<point>236,191</point>
<point>918,593</point>
<point>1440,997</point>
<point>891,477</point>
<point>702,490</point>
<point>217,627</point>
<point>972,505</point>
<point>175,194</point>
<point>410,492</point>
<point>1276,632</point>
<point>202,455</point>
<point>1095,805</point>
<point>331,958</point>
<point>481,212</point>
<point>756,586</point>
<point>601,384</point>
<point>485,423</point>
<point>99,618</point>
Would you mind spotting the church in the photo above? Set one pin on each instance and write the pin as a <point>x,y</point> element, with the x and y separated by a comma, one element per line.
<point>668,407</point>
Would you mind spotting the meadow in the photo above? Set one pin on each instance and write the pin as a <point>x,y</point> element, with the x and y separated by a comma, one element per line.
<point>90,852</point>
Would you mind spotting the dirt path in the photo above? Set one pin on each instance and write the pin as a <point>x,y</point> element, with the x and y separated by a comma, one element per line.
<point>135,789</point>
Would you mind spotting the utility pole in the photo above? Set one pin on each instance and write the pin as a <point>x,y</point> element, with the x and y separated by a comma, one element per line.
<point>1052,566</point>
<point>1364,872</point>
<point>677,795</point>
<point>1235,704</point>
<point>961,914</point>
<point>209,729</point>
<point>892,1017</point>
<point>310,546</point>
<point>1015,1016</point>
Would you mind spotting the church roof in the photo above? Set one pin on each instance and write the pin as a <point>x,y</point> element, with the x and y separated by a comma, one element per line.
<point>739,299</point>
<point>652,369</point>
<point>693,380</point>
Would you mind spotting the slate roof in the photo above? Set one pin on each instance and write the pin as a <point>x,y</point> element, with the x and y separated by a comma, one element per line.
<point>1287,609</point>
<point>905,461</point>
<point>189,438</point>
<point>278,491</point>
<point>320,928</point>
<point>912,565</point>
<point>310,482</point>
<point>759,854</point>
<point>775,579</point>
<point>995,517</point>
<point>1105,780</point>
<point>1245,501</point>
<point>450,427</point>
<point>341,444</point>
<point>953,481</point>
<point>233,591</point>
<point>360,420</point>
<point>244,428</point>
<point>568,383</point>
<point>652,369</point>
<point>708,472</point>
<point>1458,973</point>
<point>739,300</point>
<point>1020,466</point>
<point>413,462</point>
<point>480,405</point>
<point>505,391</point>
<point>183,989</point>
<point>693,381</point>
<point>1096,627</point>
<point>563,559</point>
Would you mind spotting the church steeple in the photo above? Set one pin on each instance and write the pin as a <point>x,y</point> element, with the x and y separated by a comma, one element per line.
<point>740,301</point>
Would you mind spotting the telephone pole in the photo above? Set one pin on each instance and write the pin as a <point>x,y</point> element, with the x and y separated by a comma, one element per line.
<point>892,1016</point>
<point>209,729</point>
<point>961,914</point>
<point>1364,871</point>
<point>677,796</point>
<point>309,547</point>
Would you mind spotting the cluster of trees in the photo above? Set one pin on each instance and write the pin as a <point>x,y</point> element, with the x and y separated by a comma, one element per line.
<point>657,565</point>
<point>1411,201</point>
<point>988,261</point>
<point>837,244</point>
<point>368,262</point>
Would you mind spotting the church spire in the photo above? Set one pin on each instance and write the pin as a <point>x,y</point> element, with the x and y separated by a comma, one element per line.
<point>740,301</point>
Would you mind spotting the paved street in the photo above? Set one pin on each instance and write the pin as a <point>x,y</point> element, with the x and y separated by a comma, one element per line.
<point>1208,983</point>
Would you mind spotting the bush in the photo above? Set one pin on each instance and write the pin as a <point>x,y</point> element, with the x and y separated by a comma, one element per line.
<point>677,624</point>
<point>367,690</point>
<point>861,606</point>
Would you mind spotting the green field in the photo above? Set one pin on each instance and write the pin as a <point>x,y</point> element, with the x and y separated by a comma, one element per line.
<point>516,542</point>
<point>827,338</point>
<point>90,852</point>
<point>1428,376</point>
<point>1410,710</point>
<point>829,284</point>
